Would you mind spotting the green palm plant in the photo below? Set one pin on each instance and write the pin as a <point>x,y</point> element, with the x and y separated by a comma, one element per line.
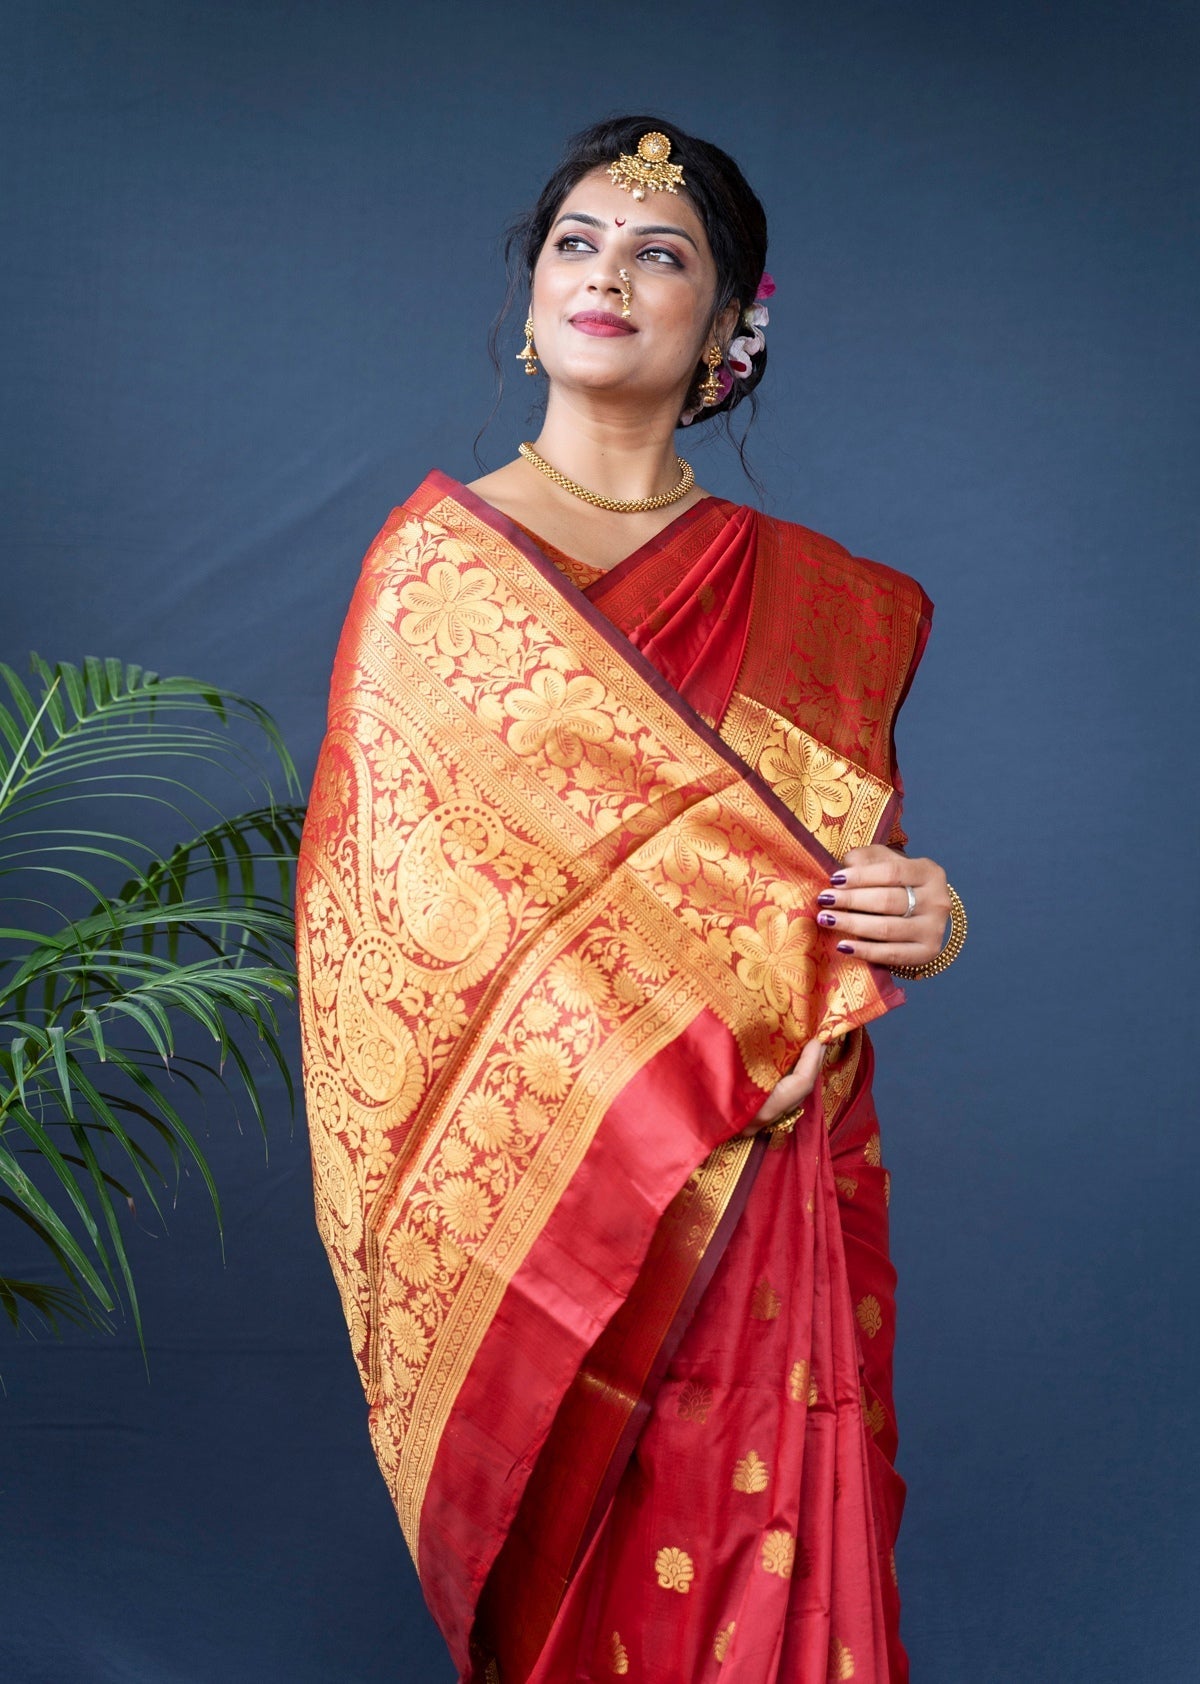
<point>105,991</point>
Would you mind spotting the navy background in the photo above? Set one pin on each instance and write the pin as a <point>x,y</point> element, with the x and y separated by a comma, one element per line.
<point>249,257</point>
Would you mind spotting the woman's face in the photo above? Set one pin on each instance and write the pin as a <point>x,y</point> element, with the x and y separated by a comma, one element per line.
<point>661,244</point>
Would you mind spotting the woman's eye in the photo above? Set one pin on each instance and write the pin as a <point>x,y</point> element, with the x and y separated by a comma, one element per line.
<point>579,242</point>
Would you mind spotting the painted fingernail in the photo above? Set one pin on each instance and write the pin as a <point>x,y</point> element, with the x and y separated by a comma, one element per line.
<point>838,877</point>
<point>827,919</point>
<point>844,947</point>
<point>827,898</point>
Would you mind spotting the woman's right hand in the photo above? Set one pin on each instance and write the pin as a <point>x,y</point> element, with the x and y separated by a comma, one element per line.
<point>791,1090</point>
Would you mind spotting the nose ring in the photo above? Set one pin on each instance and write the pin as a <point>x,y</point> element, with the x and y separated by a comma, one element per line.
<point>626,291</point>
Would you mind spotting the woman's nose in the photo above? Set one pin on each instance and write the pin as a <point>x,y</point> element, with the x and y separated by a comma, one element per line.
<point>606,280</point>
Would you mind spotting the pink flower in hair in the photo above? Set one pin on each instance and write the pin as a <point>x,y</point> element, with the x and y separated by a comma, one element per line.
<point>766,287</point>
<point>741,354</point>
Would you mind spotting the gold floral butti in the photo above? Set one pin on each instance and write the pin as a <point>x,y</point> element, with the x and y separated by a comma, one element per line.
<point>525,874</point>
<point>840,802</point>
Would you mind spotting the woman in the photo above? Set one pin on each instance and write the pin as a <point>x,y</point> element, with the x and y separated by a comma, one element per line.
<point>599,885</point>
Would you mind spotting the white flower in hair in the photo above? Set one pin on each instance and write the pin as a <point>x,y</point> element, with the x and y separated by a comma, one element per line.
<point>742,352</point>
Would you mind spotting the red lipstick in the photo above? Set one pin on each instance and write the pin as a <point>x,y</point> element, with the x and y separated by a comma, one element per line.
<point>601,323</point>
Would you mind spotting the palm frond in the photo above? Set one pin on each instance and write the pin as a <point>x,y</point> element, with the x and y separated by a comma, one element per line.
<point>184,942</point>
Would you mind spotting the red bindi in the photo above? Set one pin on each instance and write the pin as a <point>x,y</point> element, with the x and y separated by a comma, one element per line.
<point>620,221</point>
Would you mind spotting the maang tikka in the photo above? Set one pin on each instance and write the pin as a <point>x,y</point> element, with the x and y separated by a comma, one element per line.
<point>647,170</point>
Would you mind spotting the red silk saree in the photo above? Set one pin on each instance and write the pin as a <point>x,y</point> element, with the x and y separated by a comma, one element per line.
<point>628,1374</point>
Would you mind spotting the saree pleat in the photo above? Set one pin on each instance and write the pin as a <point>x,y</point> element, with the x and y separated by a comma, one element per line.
<point>752,1534</point>
<point>651,1430</point>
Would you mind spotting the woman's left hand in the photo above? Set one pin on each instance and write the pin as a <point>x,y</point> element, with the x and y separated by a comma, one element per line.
<point>866,901</point>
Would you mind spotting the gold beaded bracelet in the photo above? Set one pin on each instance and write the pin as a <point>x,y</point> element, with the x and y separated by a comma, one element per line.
<point>954,946</point>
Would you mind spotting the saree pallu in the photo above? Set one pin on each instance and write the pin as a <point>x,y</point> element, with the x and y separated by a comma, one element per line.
<point>628,1373</point>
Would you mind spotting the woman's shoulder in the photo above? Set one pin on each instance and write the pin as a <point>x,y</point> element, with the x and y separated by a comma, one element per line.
<point>796,543</point>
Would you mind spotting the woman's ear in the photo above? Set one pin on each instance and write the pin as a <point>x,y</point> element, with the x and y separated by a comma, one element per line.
<point>727,321</point>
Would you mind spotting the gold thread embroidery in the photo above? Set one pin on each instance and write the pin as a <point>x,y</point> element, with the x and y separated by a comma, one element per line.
<point>722,1641</point>
<point>871,1153</point>
<point>674,1569</point>
<point>841,803</point>
<point>846,1185</point>
<point>443,862</point>
<point>841,1661</point>
<point>618,1654</point>
<point>837,1081</point>
<point>798,1381</point>
<point>779,1553</point>
<point>750,1474</point>
<point>887,1188</point>
<point>873,1412</point>
<point>766,1302</point>
<point>869,1314</point>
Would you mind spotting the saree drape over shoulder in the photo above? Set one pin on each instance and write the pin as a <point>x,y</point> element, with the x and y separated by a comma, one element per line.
<point>628,1374</point>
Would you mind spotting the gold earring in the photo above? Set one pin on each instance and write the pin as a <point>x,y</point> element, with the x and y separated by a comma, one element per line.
<point>626,291</point>
<point>710,386</point>
<point>529,355</point>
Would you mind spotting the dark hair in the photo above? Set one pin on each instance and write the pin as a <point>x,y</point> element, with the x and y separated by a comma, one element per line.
<point>733,218</point>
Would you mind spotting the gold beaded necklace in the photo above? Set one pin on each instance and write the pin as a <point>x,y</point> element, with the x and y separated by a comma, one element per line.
<point>619,505</point>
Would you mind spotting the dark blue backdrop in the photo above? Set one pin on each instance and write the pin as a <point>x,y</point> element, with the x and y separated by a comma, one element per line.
<point>249,255</point>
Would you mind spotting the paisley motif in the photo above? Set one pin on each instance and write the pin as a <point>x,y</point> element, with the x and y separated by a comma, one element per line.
<point>377,1044</point>
<point>449,908</point>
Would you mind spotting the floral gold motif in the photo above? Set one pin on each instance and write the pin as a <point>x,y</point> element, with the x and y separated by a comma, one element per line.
<point>491,757</point>
<point>750,1473</point>
<point>776,956</point>
<point>674,1569</point>
<point>779,1553</point>
<point>873,1412</point>
<point>722,1641</point>
<point>839,801</point>
<point>871,1153</point>
<point>846,1185</point>
<point>558,715</point>
<point>810,778</point>
<point>766,1302</point>
<point>450,607</point>
<point>618,1654</point>
<point>798,1381</point>
<point>841,1661</point>
<point>869,1315</point>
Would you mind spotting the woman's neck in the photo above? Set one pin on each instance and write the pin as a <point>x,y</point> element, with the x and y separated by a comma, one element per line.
<point>622,453</point>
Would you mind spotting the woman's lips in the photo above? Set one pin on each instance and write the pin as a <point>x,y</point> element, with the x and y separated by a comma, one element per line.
<point>603,327</point>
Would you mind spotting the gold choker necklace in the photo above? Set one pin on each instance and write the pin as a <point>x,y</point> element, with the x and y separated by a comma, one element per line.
<point>620,505</point>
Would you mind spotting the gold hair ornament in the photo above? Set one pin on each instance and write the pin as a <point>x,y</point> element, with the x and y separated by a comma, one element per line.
<point>648,169</point>
<point>954,946</point>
